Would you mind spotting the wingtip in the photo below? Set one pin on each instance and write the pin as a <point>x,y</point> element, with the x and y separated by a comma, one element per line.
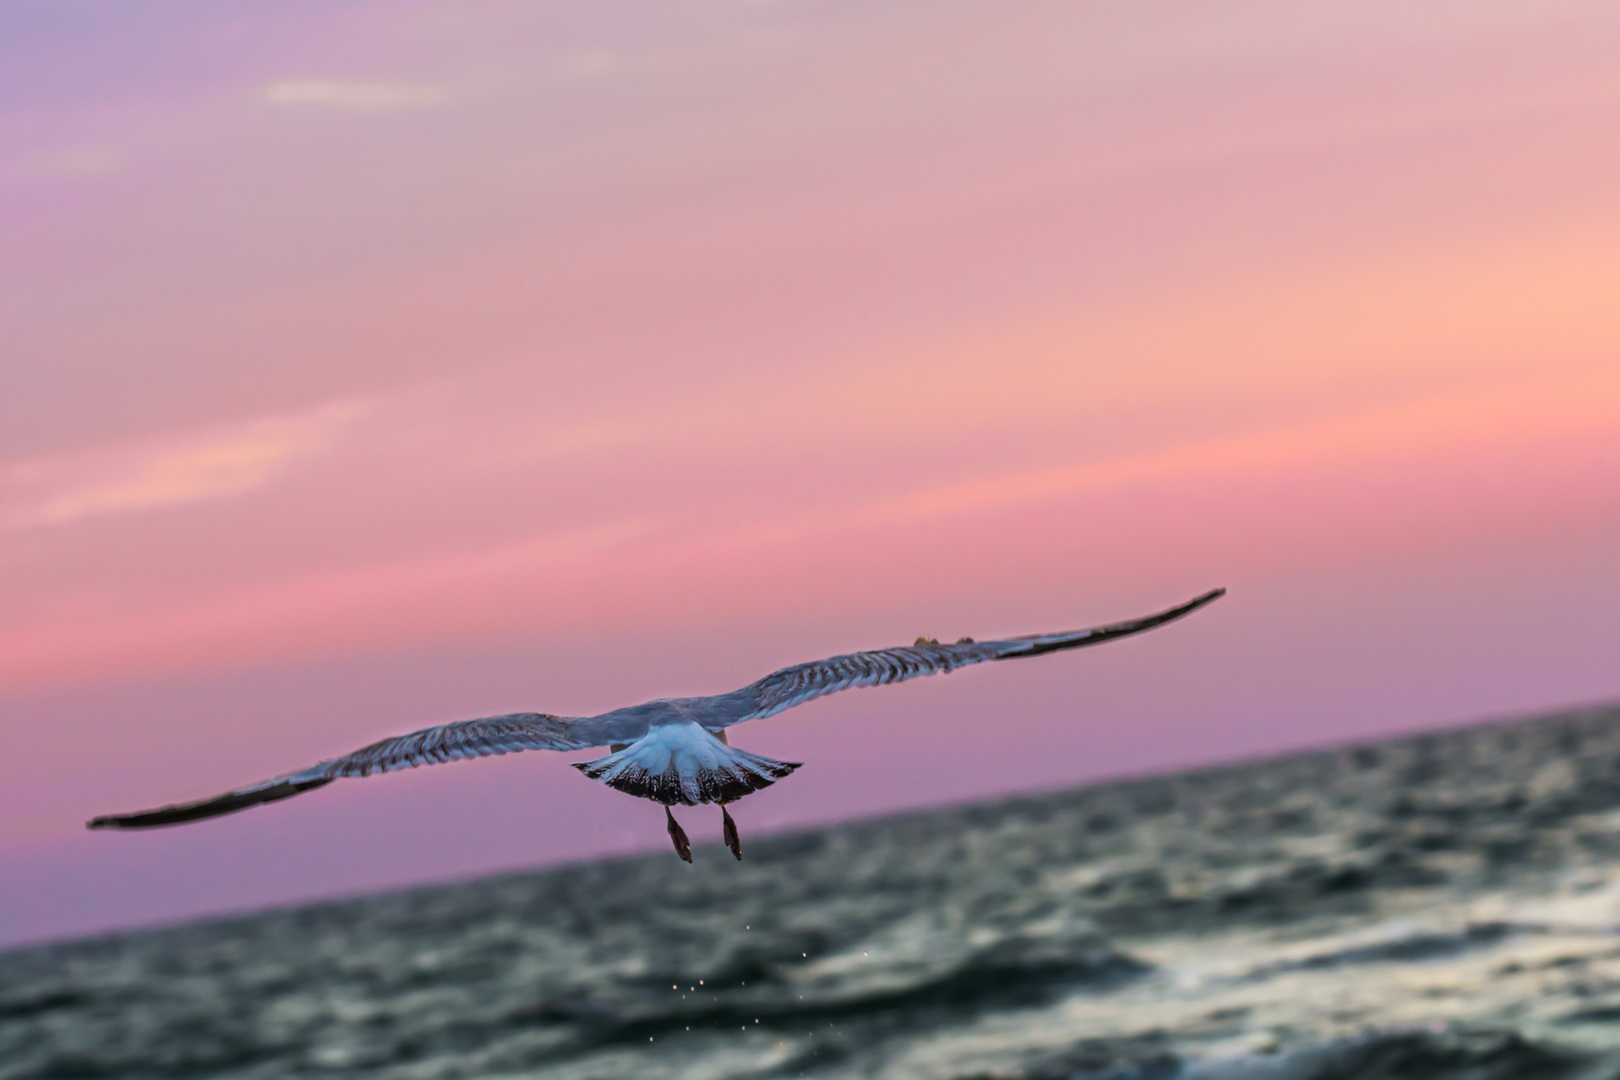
<point>108,821</point>
<point>1187,608</point>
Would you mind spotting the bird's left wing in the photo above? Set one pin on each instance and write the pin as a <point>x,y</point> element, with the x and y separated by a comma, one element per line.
<point>805,682</point>
<point>446,742</point>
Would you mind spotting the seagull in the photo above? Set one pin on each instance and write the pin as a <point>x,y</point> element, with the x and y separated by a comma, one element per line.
<point>673,750</point>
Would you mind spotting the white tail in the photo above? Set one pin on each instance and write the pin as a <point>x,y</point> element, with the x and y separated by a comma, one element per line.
<point>685,763</point>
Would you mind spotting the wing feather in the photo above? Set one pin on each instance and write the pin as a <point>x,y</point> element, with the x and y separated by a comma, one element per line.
<point>487,736</point>
<point>540,731</point>
<point>805,682</point>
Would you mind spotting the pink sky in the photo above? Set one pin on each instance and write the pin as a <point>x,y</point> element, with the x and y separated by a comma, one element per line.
<point>369,367</point>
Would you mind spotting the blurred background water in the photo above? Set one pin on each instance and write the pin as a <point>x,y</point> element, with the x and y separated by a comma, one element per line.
<point>1443,905</point>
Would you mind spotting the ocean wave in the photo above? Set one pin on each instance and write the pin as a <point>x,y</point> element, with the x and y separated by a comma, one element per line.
<point>1451,1054</point>
<point>1438,908</point>
<point>1421,1055</point>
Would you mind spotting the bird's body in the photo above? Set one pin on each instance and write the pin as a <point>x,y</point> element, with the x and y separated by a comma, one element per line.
<point>673,750</point>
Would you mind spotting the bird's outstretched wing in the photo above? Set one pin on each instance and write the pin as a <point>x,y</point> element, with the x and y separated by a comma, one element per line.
<point>447,742</point>
<point>805,682</point>
<point>541,731</point>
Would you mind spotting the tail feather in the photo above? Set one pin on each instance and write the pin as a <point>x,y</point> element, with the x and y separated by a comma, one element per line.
<point>684,763</point>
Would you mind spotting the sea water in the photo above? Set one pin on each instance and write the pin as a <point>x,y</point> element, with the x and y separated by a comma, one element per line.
<point>1443,906</point>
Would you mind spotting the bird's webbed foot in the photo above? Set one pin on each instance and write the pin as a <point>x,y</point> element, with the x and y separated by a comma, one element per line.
<point>729,831</point>
<point>677,836</point>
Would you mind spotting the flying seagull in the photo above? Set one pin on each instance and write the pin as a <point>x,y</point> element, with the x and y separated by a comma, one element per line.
<point>671,751</point>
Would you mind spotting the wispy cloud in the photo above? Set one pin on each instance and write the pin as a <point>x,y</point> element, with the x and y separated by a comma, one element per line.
<point>353,96</point>
<point>173,471</point>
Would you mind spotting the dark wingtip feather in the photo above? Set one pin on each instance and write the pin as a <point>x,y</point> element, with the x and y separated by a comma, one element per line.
<point>1136,626</point>
<point>1194,604</point>
<point>1097,635</point>
<point>180,813</point>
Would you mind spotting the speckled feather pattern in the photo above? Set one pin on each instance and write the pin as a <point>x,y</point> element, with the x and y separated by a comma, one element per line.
<point>684,764</point>
<point>663,761</point>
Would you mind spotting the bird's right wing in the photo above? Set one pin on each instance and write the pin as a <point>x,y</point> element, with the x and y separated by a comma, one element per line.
<point>446,742</point>
<point>805,682</point>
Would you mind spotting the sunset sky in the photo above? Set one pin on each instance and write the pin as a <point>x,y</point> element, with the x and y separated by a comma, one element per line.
<point>368,366</point>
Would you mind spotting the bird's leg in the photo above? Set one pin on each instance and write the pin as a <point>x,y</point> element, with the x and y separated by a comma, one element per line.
<point>729,831</point>
<point>677,836</point>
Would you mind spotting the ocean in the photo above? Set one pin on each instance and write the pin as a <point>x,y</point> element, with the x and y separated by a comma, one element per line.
<point>1439,906</point>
